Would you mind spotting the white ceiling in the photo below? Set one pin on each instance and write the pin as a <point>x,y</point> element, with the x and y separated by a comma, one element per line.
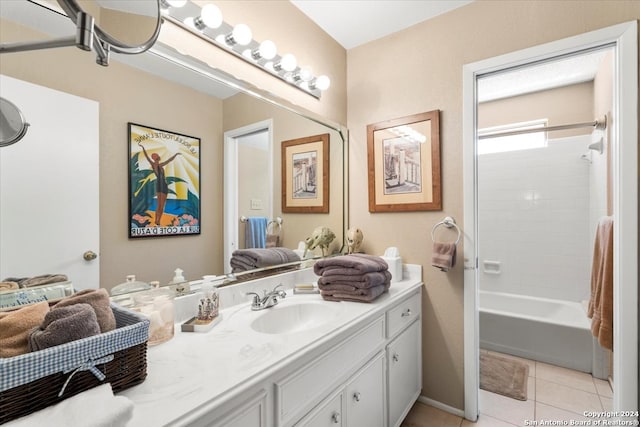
<point>355,22</point>
<point>548,75</point>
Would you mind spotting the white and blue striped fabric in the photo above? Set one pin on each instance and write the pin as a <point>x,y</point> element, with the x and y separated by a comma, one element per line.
<point>131,329</point>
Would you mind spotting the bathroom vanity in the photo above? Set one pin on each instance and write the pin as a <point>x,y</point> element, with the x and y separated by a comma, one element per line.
<point>305,361</point>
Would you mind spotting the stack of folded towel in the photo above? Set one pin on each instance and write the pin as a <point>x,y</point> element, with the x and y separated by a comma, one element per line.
<point>44,279</point>
<point>37,326</point>
<point>354,277</point>
<point>250,259</point>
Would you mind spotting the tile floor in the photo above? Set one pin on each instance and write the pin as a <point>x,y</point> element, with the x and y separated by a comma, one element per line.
<point>554,393</point>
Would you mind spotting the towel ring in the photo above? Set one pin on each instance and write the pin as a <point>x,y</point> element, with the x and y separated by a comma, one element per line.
<point>449,223</point>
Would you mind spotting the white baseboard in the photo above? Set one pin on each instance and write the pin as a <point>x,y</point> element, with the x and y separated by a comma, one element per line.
<point>442,406</point>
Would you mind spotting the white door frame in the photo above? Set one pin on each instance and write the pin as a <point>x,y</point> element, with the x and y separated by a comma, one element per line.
<point>231,219</point>
<point>623,38</point>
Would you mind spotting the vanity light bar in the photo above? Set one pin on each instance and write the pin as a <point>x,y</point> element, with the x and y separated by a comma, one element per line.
<point>207,23</point>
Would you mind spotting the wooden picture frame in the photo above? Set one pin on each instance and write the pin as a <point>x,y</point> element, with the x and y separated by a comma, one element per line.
<point>305,174</point>
<point>404,164</point>
<point>164,183</point>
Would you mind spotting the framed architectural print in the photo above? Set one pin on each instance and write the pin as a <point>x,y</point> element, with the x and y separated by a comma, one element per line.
<point>164,183</point>
<point>404,164</point>
<point>305,174</point>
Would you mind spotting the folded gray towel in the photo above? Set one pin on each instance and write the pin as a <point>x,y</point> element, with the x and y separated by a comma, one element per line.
<point>359,295</point>
<point>444,256</point>
<point>350,265</point>
<point>64,324</point>
<point>366,280</point>
<point>99,300</point>
<point>249,259</point>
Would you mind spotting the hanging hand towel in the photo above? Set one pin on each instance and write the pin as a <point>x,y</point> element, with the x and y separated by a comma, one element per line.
<point>444,256</point>
<point>255,232</point>
<point>601,302</point>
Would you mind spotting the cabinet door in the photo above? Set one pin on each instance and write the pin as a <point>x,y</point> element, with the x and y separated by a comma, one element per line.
<point>328,414</point>
<point>404,372</point>
<point>364,395</point>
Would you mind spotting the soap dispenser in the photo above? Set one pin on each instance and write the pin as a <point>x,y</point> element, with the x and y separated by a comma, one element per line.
<point>179,283</point>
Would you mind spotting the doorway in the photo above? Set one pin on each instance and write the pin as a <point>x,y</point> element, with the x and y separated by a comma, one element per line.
<point>248,152</point>
<point>623,39</point>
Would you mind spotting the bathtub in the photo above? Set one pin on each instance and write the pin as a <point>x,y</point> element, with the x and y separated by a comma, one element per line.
<point>547,330</point>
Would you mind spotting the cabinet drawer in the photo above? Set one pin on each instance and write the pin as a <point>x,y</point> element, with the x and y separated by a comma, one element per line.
<point>298,392</point>
<point>328,414</point>
<point>403,314</point>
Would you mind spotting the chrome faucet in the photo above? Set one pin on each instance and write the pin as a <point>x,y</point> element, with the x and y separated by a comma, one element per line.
<point>268,300</point>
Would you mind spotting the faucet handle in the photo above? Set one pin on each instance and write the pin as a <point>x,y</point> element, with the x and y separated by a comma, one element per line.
<point>256,297</point>
<point>281,293</point>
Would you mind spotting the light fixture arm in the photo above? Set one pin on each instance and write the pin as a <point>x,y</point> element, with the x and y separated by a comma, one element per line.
<point>83,39</point>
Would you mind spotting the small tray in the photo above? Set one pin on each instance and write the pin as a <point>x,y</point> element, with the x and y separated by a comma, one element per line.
<point>191,325</point>
<point>305,288</point>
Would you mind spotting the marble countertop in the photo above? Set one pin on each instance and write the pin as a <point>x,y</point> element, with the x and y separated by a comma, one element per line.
<point>195,371</point>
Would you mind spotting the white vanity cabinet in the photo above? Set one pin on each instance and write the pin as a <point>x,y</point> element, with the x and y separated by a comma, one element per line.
<point>385,388</point>
<point>404,357</point>
<point>361,368</point>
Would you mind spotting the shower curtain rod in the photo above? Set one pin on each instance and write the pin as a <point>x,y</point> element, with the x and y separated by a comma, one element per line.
<point>597,124</point>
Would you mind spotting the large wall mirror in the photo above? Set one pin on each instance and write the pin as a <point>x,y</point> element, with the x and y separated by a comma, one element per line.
<point>165,90</point>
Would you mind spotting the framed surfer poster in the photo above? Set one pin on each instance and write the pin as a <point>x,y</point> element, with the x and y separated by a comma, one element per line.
<point>164,182</point>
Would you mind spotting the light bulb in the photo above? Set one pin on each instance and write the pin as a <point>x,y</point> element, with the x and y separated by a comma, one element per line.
<point>269,66</point>
<point>304,74</point>
<point>267,49</point>
<point>177,3</point>
<point>288,63</point>
<point>211,16</point>
<point>190,22</point>
<point>321,83</point>
<point>241,35</point>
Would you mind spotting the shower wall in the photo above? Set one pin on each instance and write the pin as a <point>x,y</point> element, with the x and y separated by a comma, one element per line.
<point>534,220</point>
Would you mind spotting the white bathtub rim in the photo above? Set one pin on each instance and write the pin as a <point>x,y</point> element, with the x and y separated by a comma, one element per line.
<point>582,323</point>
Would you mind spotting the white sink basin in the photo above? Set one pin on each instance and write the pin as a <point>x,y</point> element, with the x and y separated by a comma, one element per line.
<point>287,318</point>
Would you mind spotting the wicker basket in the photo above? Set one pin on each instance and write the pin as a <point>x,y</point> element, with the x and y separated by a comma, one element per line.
<point>33,381</point>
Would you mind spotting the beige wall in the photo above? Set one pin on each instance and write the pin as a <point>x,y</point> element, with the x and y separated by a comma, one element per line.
<point>420,69</point>
<point>565,105</point>
<point>128,95</point>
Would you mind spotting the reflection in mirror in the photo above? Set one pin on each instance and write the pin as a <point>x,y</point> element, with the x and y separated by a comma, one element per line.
<point>128,27</point>
<point>245,194</point>
<point>147,89</point>
<point>13,126</point>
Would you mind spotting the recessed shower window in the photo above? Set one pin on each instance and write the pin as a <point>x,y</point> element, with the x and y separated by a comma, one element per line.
<point>525,141</point>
